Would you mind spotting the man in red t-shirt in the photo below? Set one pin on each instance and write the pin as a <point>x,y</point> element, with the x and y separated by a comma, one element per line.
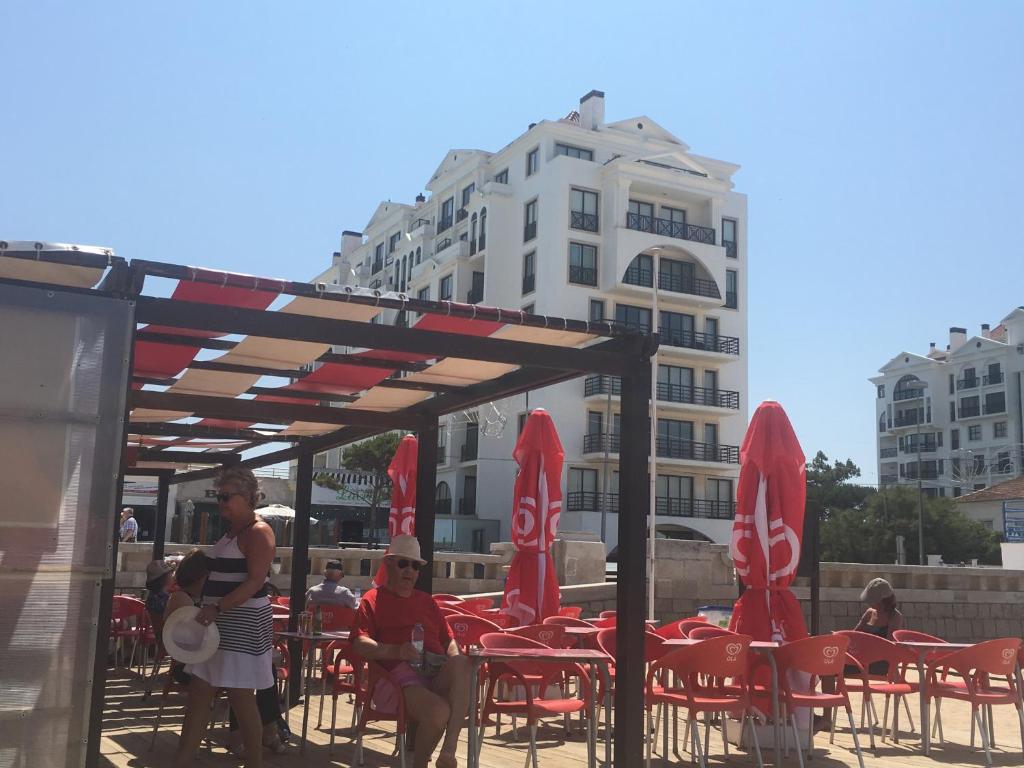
<point>434,684</point>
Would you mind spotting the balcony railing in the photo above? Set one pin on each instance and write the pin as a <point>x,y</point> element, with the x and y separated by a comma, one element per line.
<point>926,447</point>
<point>690,450</point>
<point>585,221</point>
<point>966,411</point>
<point>728,345</point>
<point>968,383</point>
<point>442,506</point>
<point>887,453</point>
<point>595,443</point>
<point>992,378</point>
<point>446,243</point>
<point>582,275</point>
<point>378,265</point>
<point>590,501</point>
<point>666,228</point>
<point>995,408</point>
<point>529,231</point>
<point>730,248</point>
<point>907,394</point>
<point>695,286</point>
<point>442,454</point>
<point>443,224</point>
<point>600,385</point>
<point>685,393</point>
<point>888,479</point>
<point>468,452</point>
<point>707,508</point>
<point>467,506</point>
<point>475,296</point>
<point>908,420</point>
<point>529,283</point>
<point>483,241</point>
<point>375,284</point>
<point>461,215</point>
<point>641,276</point>
<point>927,473</point>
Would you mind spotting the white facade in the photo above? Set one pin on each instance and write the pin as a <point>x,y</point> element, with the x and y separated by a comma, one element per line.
<point>585,219</point>
<point>967,415</point>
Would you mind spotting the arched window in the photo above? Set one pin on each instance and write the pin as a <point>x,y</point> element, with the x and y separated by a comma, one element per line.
<point>402,289</point>
<point>483,228</point>
<point>443,499</point>
<point>472,229</point>
<point>418,254</point>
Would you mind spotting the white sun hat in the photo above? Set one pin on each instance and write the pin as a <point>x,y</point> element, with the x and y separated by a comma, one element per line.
<point>188,641</point>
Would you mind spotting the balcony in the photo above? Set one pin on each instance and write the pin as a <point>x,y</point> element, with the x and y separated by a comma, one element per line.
<point>690,450</point>
<point>529,283</point>
<point>442,457</point>
<point>991,408</point>
<point>730,248</point>
<point>642,276</point>
<point>583,275</point>
<point>992,378</point>
<point>968,383</point>
<point>461,215</point>
<point>888,479</point>
<point>887,453</point>
<point>590,501</point>
<point>602,385</point>
<point>468,452</point>
<point>585,221</point>
<point>417,225</point>
<point>726,345</point>
<point>927,473</point>
<point>529,231</point>
<point>690,395</point>
<point>732,300</point>
<point>907,394</point>
<point>443,244</point>
<point>443,224</point>
<point>926,447</point>
<point>595,443</point>
<point>442,506</point>
<point>475,296</point>
<point>675,229</point>
<point>467,506</point>
<point>695,286</point>
<point>967,411</point>
<point>908,420</point>
<point>706,508</point>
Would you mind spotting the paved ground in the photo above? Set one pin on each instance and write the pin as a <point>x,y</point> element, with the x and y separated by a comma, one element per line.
<point>130,716</point>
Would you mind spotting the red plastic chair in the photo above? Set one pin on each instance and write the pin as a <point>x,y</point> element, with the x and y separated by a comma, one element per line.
<point>551,635</point>
<point>369,712</point>
<point>566,621</point>
<point>931,658</point>
<point>285,601</point>
<point>607,622</point>
<point>606,642</point>
<point>451,610</point>
<point>477,604</point>
<point>976,665</point>
<point>607,614</point>
<point>527,675</point>
<point>441,597</point>
<point>503,620</point>
<point>572,611</point>
<point>719,659</point>
<point>467,629</point>
<point>680,628</point>
<point>820,657</point>
<point>127,622</point>
<point>868,650</point>
<point>347,675</point>
<point>708,631</point>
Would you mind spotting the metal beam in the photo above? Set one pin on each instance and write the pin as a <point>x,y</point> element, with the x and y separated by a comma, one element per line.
<point>211,317</point>
<point>258,370</point>
<point>634,501</point>
<point>160,524</point>
<point>258,411</point>
<point>372,362</point>
<point>170,429</point>
<point>426,483</point>
<point>189,457</point>
<point>302,394</point>
<point>185,340</point>
<point>300,566</point>
<point>421,386</point>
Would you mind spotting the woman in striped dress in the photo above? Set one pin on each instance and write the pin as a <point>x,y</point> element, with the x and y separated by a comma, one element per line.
<point>235,597</point>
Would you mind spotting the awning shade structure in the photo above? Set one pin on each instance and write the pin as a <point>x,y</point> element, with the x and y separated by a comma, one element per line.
<point>225,363</point>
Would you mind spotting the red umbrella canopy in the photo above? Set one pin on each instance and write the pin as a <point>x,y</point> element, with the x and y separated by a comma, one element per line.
<point>402,472</point>
<point>768,527</point>
<point>531,590</point>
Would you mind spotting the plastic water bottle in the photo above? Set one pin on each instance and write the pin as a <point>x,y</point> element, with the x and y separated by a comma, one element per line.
<point>417,642</point>
<point>357,593</point>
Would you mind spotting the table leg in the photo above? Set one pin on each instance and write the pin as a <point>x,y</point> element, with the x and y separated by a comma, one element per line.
<point>776,729</point>
<point>592,716</point>
<point>607,681</point>
<point>305,695</point>
<point>926,726</point>
<point>474,706</point>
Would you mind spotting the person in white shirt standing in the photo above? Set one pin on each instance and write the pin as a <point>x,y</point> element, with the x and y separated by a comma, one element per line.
<point>129,526</point>
<point>330,591</point>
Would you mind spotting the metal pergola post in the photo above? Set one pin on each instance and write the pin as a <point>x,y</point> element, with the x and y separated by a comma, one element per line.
<point>426,482</point>
<point>163,488</point>
<point>300,566</point>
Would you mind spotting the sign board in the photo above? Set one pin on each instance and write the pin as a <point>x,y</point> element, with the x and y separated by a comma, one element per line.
<point>1013,520</point>
<point>331,487</point>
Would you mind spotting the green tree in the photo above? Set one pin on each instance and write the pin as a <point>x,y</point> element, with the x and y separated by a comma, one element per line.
<point>829,486</point>
<point>373,457</point>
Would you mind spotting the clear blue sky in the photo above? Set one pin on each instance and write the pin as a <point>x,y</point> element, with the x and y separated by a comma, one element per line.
<point>880,145</point>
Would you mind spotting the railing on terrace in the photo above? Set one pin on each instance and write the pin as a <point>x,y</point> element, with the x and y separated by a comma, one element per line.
<point>926,447</point>
<point>887,479</point>
<point>446,243</point>
<point>908,420</point>
<point>691,450</point>
<point>590,501</point>
<point>706,508</point>
<point>728,345</point>
<point>475,296</point>
<point>685,393</point>
<point>730,248</point>
<point>641,276</point>
<point>461,215</point>
<point>966,411</point>
<point>443,224</point>
<point>601,384</point>
<point>595,443</point>
<point>887,453</point>
<point>582,275</point>
<point>927,473</point>
<point>585,221</point>
<point>968,383</point>
<point>442,506</point>
<point>467,506</point>
<point>995,408</point>
<point>992,378</point>
<point>907,394</point>
<point>666,228</point>
<point>694,286</point>
<point>468,452</point>
<point>376,283</point>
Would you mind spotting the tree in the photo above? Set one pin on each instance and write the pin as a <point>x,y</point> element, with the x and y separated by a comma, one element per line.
<point>373,457</point>
<point>828,485</point>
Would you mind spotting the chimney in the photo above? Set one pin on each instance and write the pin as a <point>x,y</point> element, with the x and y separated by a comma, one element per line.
<point>986,332</point>
<point>420,200</point>
<point>957,338</point>
<point>349,242</point>
<point>592,110</point>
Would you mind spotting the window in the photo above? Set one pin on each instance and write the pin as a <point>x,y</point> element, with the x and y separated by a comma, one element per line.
<point>443,497</point>
<point>633,317</point>
<point>995,402</point>
<point>522,417</point>
<point>529,221</point>
<point>881,391</point>
<point>979,464</point>
<point>952,411</point>
<point>581,486</point>
<point>528,309</point>
<point>729,237</point>
<point>719,497</point>
<point>954,439</point>
<point>393,241</point>
<point>423,294</point>
<point>640,271</point>
<point>447,216</point>
<point>974,432</point>
<point>445,290</point>
<point>596,310</point>
<point>502,176</point>
<point>595,422</point>
<point>529,274</point>
<point>570,151</point>
<point>483,228</point>
<point>676,329</point>
<point>378,257</point>
<point>969,406</point>
<point>640,216</point>
<point>472,234</point>
<point>1003,464</point>
<point>467,193</point>
<point>582,264</point>
<point>532,161</point>
<point>711,327</point>
<point>675,216</point>
<point>999,429</point>
<point>994,375</point>
<point>419,254</point>
<point>583,210</point>
<point>731,289</point>
<point>674,494</point>
<point>711,434</point>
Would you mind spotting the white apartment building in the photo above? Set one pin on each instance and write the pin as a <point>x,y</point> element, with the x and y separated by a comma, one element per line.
<point>960,405</point>
<point>582,218</point>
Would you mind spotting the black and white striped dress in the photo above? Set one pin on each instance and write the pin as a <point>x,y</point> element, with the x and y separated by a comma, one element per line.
<point>243,658</point>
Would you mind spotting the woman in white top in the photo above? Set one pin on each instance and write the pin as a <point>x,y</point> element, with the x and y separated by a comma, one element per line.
<point>235,597</point>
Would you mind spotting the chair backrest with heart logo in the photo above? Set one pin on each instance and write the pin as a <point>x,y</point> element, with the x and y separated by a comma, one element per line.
<point>994,657</point>
<point>720,657</point>
<point>822,656</point>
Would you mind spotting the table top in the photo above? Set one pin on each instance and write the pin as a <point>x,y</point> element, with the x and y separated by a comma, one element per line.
<point>582,630</point>
<point>933,644</point>
<point>323,637</point>
<point>756,645</point>
<point>539,654</point>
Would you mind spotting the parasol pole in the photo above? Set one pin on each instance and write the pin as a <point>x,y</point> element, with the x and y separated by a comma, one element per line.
<point>653,479</point>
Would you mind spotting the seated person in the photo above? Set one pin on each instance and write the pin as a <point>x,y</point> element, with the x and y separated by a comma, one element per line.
<point>330,591</point>
<point>158,582</point>
<point>435,685</point>
<point>883,617</point>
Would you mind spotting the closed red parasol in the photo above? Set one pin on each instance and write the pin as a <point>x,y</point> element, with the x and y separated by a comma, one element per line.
<point>402,471</point>
<point>768,527</point>
<point>531,590</point>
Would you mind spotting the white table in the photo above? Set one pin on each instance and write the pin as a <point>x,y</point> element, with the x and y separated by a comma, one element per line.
<point>309,644</point>
<point>922,650</point>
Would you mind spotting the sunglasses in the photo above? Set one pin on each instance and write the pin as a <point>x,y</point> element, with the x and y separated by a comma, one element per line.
<point>403,564</point>
<point>225,496</point>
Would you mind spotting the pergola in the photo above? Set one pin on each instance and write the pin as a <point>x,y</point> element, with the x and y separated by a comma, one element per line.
<point>438,358</point>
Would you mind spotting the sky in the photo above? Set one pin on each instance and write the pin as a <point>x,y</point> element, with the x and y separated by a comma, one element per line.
<point>880,146</point>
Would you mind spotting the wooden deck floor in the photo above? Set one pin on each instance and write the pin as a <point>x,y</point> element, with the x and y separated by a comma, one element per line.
<point>130,717</point>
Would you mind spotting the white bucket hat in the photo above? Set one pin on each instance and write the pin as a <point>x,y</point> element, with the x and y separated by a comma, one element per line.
<point>405,546</point>
<point>188,641</point>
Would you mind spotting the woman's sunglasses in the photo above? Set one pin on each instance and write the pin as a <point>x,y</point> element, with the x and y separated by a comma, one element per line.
<point>225,496</point>
<point>403,564</point>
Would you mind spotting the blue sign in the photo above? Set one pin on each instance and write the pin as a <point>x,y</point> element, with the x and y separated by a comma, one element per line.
<point>1013,520</point>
